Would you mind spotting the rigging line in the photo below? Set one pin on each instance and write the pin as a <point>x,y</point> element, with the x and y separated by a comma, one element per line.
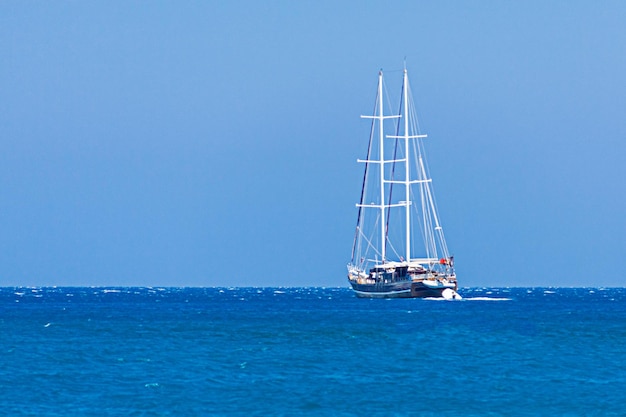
<point>369,150</point>
<point>417,214</point>
<point>428,207</point>
<point>365,252</point>
<point>415,125</point>
<point>418,153</point>
<point>390,71</point>
<point>432,238</point>
<point>369,244</point>
<point>413,108</point>
<point>439,235</point>
<point>425,213</point>
<point>365,248</point>
<point>394,250</point>
<point>444,247</point>
<point>433,213</point>
<point>422,152</point>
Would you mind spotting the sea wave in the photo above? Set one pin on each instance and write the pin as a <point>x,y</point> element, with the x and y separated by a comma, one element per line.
<point>488,299</point>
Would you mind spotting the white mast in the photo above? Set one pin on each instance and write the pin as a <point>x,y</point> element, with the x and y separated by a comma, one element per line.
<point>381,161</point>
<point>382,167</point>
<point>407,177</point>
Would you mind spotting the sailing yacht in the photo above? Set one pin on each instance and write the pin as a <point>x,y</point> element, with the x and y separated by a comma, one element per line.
<point>399,248</point>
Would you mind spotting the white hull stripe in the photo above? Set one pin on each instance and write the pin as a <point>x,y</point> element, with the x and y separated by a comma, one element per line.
<point>381,293</point>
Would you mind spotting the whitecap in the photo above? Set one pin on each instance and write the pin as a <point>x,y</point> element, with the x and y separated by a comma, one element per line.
<point>438,299</point>
<point>488,299</point>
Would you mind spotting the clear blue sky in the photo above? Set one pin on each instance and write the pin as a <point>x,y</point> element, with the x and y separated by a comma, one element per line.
<point>215,143</point>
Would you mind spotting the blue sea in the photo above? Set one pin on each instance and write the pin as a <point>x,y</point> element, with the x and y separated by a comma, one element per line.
<point>311,351</point>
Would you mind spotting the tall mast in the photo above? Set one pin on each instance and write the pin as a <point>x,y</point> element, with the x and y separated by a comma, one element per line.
<point>381,161</point>
<point>407,172</point>
<point>382,166</point>
<point>407,176</point>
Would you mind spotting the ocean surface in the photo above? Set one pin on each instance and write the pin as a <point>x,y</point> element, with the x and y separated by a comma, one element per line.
<point>311,351</point>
